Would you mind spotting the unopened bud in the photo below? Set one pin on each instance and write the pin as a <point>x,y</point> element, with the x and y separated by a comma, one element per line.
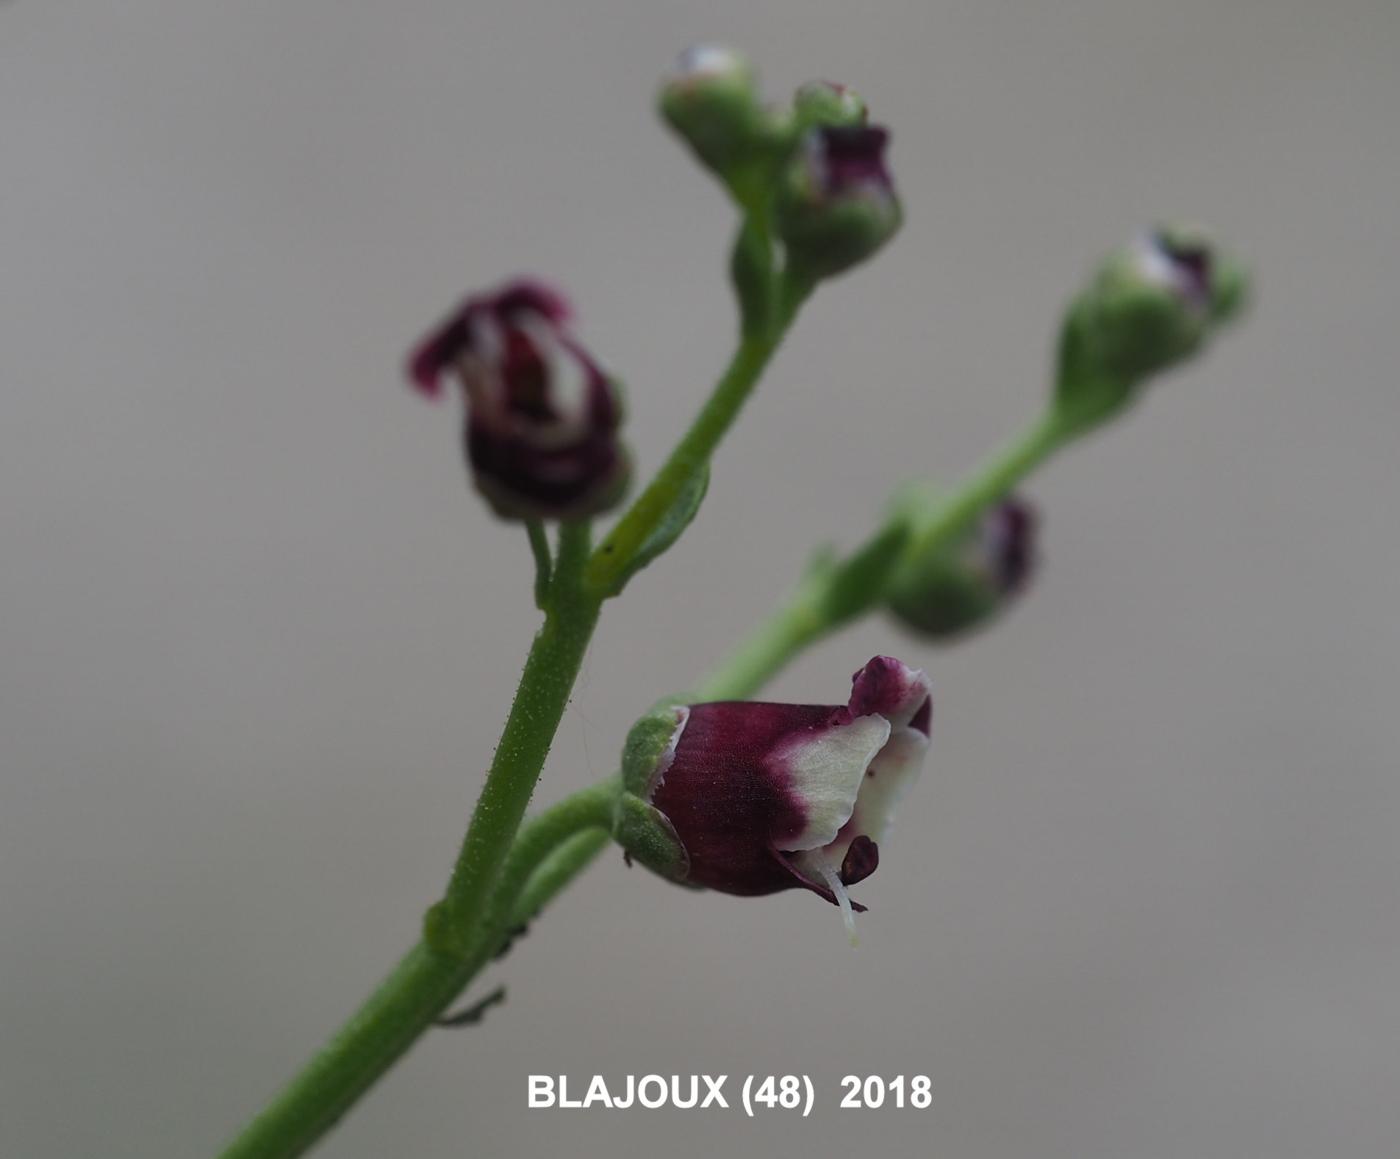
<point>542,416</point>
<point>1152,304</point>
<point>824,102</point>
<point>947,593</point>
<point>711,99</point>
<point>837,206</point>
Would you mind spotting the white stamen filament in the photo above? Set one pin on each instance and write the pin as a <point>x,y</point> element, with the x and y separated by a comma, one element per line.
<point>843,899</point>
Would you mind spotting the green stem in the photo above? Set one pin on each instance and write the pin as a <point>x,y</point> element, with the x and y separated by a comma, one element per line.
<point>810,612</point>
<point>405,1005</point>
<point>548,679</point>
<point>563,864</point>
<point>550,851</point>
<point>990,482</point>
<point>461,933</point>
<point>696,446</point>
<point>541,840</point>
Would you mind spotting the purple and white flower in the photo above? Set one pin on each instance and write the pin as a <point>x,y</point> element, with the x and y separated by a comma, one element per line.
<point>542,416</point>
<point>765,797</point>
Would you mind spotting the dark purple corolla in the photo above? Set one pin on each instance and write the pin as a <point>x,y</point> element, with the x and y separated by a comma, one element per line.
<point>946,593</point>
<point>765,797</point>
<point>837,204</point>
<point>850,159</point>
<point>542,416</point>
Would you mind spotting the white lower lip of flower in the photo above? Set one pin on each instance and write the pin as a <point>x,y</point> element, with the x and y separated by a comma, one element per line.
<point>891,774</point>
<point>826,773</point>
<point>568,380</point>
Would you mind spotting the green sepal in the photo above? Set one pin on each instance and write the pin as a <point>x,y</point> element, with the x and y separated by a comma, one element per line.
<point>1233,289</point>
<point>828,237</point>
<point>1086,394</point>
<point>819,102</point>
<point>646,751</point>
<point>939,597</point>
<point>647,836</point>
<point>667,531</point>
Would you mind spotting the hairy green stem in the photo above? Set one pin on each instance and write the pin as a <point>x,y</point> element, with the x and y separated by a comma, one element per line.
<point>565,862</point>
<point>810,612</point>
<point>548,679</point>
<point>990,482</point>
<point>550,851</point>
<point>697,445</point>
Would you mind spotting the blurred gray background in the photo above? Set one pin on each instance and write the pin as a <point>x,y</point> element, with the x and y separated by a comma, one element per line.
<point>258,637</point>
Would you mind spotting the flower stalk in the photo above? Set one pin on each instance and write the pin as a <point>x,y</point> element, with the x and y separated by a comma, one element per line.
<point>692,454</point>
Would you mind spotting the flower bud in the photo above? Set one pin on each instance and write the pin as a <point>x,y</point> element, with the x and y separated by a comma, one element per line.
<point>824,102</point>
<point>836,204</point>
<point>946,593</point>
<point>750,798</point>
<point>1151,304</point>
<point>711,99</point>
<point>542,417</point>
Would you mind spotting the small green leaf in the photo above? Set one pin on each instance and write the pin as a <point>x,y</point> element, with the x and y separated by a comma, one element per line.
<point>667,531</point>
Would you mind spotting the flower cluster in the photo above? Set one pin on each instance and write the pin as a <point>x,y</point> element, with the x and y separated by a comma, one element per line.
<point>752,798</point>
<point>818,162</point>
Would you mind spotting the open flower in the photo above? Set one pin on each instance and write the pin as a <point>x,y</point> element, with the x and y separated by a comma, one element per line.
<point>542,416</point>
<point>943,594</point>
<point>756,798</point>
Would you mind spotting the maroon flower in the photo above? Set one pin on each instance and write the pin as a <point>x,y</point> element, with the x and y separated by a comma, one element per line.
<point>849,159</point>
<point>767,797</point>
<point>949,592</point>
<point>837,204</point>
<point>542,416</point>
